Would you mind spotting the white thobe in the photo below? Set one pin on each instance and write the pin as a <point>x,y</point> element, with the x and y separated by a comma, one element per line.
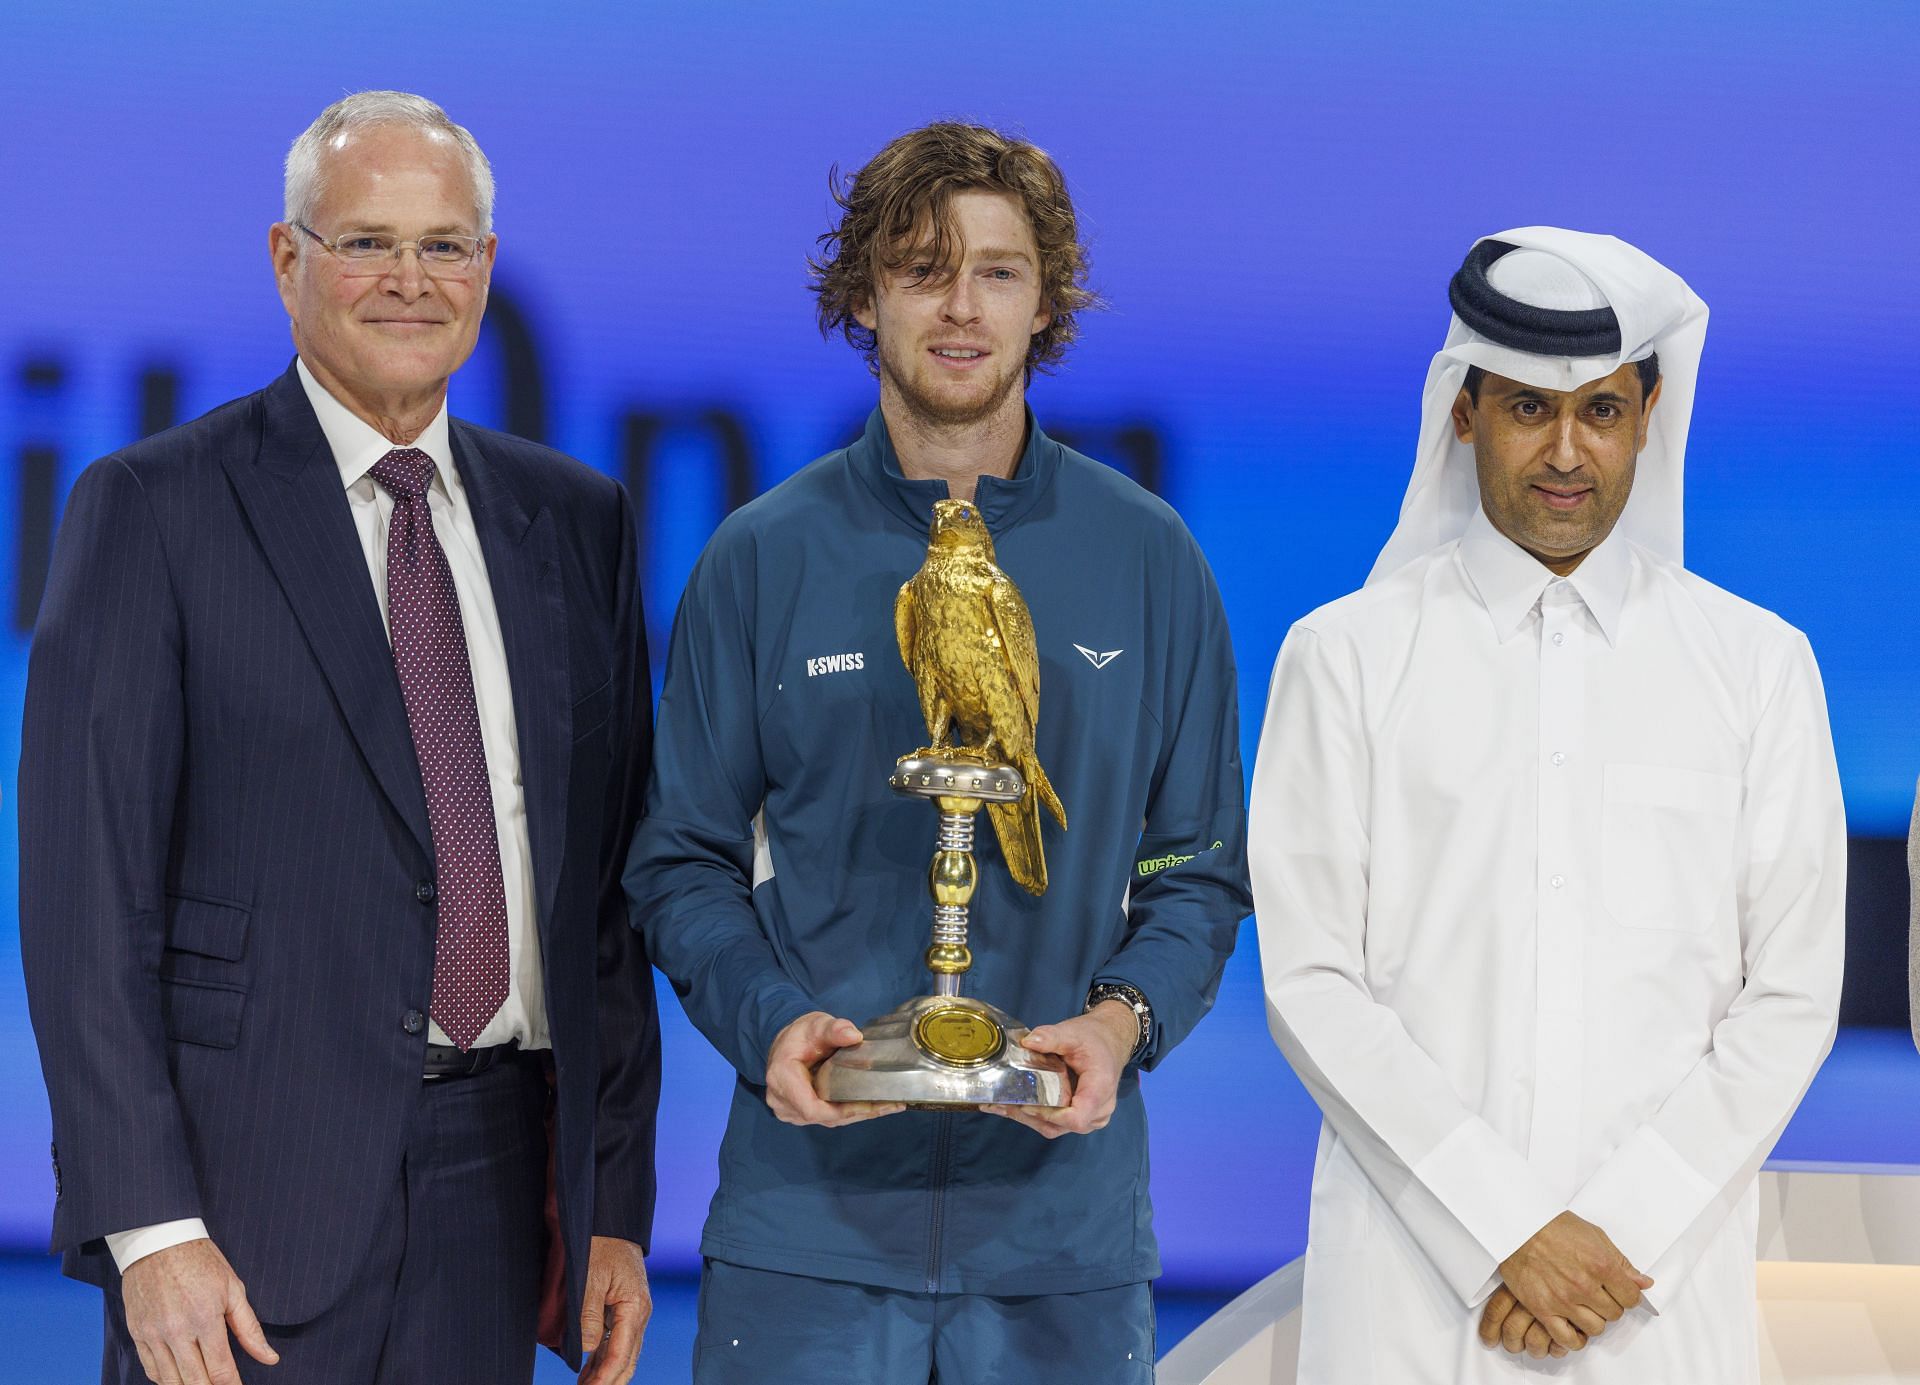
<point>1550,877</point>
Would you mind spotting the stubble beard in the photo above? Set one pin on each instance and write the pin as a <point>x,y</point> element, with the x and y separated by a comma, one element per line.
<point>938,413</point>
<point>1542,533</point>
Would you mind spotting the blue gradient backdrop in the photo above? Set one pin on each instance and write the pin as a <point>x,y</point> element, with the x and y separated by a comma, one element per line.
<point>1275,196</point>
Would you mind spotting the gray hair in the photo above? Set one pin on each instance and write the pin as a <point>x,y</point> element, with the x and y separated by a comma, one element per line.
<point>364,110</point>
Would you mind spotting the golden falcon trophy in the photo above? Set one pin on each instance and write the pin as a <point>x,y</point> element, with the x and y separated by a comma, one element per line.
<point>967,639</point>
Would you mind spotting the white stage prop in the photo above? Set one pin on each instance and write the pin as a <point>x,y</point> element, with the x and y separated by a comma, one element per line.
<point>1839,1290</point>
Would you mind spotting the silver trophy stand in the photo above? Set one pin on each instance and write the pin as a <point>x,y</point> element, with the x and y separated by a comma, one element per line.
<point>946,1049</point>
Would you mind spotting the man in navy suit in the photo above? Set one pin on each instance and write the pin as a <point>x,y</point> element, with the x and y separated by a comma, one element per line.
<point>336,723</point>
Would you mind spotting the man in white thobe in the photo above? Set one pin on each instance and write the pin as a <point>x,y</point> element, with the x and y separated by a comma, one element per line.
<point>1549,862</point>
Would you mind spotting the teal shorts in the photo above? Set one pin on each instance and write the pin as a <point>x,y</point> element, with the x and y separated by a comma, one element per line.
<point>758,1327</point>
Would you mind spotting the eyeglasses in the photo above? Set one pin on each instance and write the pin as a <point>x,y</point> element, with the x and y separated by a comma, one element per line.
<point>366,253</point>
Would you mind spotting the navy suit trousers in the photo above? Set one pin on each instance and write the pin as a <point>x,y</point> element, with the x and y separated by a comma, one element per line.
<point>449,1294</point>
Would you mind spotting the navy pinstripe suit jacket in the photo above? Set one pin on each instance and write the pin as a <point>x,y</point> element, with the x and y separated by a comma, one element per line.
<point>223,833</point>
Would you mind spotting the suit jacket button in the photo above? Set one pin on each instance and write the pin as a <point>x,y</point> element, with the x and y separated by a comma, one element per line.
<point>413,1022</point>
<point>425,892</point>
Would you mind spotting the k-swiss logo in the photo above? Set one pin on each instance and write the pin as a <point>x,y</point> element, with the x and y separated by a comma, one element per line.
<point>835,663</point>
<point>1101,659</point>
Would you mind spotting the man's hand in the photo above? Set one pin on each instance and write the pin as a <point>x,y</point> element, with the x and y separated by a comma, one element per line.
<point>618,1303</point>
<point>1507,1324</point>
<point>799,1049</point>
<point>179,1304</point>
<point>1095,1047</point>
<point>1573,1279</point>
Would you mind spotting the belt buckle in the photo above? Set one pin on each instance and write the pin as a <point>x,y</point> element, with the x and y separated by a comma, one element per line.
<point>471,1063</point>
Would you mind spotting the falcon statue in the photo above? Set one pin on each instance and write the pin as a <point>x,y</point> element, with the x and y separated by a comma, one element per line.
<point>967,639</point>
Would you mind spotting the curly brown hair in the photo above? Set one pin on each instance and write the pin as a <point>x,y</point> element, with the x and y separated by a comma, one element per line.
<point>904,195</point>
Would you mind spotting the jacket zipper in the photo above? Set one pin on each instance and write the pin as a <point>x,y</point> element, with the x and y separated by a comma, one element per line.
<point>942,1155</point>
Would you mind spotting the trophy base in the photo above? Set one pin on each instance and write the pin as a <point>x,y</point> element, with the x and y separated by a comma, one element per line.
<point>942,1051</point>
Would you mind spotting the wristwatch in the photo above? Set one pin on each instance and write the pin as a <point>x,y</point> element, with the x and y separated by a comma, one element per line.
<point>1134,1001</point>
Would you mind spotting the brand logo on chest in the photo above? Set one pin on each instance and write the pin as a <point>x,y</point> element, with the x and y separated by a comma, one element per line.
<point>835,663</point>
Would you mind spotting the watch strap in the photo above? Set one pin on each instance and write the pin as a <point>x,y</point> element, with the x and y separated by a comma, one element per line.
<point>1131,997</point>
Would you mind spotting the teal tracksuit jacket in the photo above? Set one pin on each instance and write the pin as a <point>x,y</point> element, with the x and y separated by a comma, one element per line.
<point>786,701</point>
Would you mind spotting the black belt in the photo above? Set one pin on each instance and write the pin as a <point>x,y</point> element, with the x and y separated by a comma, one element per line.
<point>444,1060</point>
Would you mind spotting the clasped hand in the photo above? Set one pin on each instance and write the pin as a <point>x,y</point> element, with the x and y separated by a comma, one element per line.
<point>1560,1290</point>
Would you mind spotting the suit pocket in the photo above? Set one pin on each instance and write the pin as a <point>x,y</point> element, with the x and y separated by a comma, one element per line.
<point>590,713</point>
<point>1666,845</point>
<point>201,1012</point>
<point>208,927</point>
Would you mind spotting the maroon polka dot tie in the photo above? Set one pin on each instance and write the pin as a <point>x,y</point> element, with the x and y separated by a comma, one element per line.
<point>430,653</point>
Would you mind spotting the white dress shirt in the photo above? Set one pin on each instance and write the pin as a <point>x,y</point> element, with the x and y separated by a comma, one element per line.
<point>1550,877</point>
<point>356,447</point>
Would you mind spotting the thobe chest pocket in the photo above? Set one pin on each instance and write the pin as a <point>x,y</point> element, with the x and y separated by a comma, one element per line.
<point>1666,845</point>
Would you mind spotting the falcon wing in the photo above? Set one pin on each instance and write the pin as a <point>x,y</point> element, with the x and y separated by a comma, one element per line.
<point>903,623</point>
<point>1016,638</point>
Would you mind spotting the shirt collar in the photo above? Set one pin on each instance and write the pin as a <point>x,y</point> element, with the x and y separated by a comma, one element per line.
<point>1001,500</point>
<point>1509,579</point>
<point>357,445</point>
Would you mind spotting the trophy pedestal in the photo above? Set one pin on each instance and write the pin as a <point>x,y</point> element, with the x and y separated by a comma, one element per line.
<point>942,1051</point>
<point>947,1049</point>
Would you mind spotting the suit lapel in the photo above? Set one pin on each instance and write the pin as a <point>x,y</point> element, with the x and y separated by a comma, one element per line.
<point>519,542</point>
<point>293,498</point>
